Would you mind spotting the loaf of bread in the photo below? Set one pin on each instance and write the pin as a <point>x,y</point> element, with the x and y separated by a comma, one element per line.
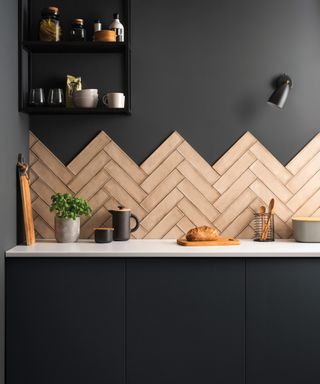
<point>202,234</point>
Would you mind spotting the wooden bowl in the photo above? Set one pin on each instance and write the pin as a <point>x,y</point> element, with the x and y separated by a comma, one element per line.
<point>105,35</point>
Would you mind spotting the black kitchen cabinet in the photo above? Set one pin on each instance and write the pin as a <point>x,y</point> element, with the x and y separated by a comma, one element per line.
<point>185,321</point>
<point>65,321</point>
<point>283,321</point>
<point>158,320</point>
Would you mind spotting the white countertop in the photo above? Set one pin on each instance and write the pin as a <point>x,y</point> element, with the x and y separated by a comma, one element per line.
<point>166,248</point>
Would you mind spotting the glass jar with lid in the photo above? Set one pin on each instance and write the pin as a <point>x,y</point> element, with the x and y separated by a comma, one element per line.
<point>77,32</point>
<point>50,28</point>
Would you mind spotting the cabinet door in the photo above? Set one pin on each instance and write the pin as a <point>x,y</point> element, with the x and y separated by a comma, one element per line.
<point>64,321</point>
<point>185,321</point>
<point>283,321</point>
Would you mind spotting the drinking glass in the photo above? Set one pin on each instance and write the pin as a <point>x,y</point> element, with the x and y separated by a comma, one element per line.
<point>56,97</point>
<point>36,97</point>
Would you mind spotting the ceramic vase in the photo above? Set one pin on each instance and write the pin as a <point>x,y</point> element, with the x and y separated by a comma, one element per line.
<point>67,230</point>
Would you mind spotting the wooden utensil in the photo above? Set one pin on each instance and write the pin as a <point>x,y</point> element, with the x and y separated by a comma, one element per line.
<point>264,233</point>
<point>262,213</point>
<point>26,201</point>
<point>220,241</point>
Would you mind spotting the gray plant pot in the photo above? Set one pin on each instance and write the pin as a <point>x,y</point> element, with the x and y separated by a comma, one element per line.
<point>67,230</point>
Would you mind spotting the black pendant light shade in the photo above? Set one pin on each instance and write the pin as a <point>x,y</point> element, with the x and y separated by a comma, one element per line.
<point>280,95</point>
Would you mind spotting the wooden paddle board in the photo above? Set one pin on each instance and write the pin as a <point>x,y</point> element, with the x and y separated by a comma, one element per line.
<point>26,201</point>
<point>221,241</point>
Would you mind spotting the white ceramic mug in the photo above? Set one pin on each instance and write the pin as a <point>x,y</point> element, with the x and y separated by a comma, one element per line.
<point>114,100</point>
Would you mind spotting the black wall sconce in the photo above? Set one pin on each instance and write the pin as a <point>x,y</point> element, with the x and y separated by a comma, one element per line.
<point>280,95</point>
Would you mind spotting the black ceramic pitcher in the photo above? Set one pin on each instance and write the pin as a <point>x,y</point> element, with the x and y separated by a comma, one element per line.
<point>121,223</point>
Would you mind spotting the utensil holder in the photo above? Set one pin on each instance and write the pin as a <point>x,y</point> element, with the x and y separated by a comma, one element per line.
<point>260,223</point>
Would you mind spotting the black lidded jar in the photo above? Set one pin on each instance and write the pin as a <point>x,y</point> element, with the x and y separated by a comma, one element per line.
<point>49,26</point>
<point>103,235</point>
<point>77,32</point>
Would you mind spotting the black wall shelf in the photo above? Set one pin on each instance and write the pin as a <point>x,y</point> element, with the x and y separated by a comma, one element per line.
<point>72,47</point>
<point>108,69</point>
<point>75,111</point>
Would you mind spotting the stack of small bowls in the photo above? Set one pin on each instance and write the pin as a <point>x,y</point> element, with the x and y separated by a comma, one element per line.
<point>86,98</point>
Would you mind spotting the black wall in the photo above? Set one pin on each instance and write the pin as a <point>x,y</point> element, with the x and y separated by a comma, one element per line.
<point>204,68</point>
<point>13,139</point>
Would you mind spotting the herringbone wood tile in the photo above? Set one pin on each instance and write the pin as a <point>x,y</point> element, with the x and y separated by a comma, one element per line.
<point>32,158</point>
<point>269,161</point>
<point>239,223</point>
<point>42,209</point>
<point>124,199</point>
<point>161,172</point>
<point>234,153</point>
<point>54,164</point>
<point>234,172</point>
<point>305,155</point>
<point>162,209</point>
<point>32,139</point>
<point>91,169</point>
<point>97,219</point>
<point>200,201</point>
<point>162,190</point>
<point>193,213</point>
<point>88,153</point>
<point>40,189</point>
<point>161,153</point>
<point>94,185</point>
<point>174,233</point>
<point>124,161</point>
<point>234,210</point>
<point>236,189</point>
<point>247,233</point>
<point>185,224</point>
<point>43,229</point>
<point>270,181</point>
<point>164,226</point>
<point>304,194</point>
<point>265,194</point>
<point>203,186</point>
<point>198,162</point>
<point>125,180</point>
<point>305,173</point>
<point>175,188</point>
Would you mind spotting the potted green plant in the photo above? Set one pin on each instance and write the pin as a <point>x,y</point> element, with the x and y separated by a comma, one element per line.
<point>67,220</point>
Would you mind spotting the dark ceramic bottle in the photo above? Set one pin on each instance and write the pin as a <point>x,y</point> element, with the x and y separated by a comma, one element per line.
<point>121,223</point>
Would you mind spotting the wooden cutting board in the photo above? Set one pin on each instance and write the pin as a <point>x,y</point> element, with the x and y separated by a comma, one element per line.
<point>26,201</point>
<point>221,241</point>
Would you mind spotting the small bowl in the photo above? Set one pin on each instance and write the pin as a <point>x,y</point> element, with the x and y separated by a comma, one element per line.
<point>306,229</point>
<point>103,235</point>
<point>90,101</point>
<point>105,35</point>
<point>85,92</point>
<point>85,96</point>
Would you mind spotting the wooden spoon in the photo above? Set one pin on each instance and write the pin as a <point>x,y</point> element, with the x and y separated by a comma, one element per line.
<point>262,213</point>
<point>270,213</point>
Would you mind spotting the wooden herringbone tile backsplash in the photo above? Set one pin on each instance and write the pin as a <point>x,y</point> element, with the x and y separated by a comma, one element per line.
<point>175,189</point>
